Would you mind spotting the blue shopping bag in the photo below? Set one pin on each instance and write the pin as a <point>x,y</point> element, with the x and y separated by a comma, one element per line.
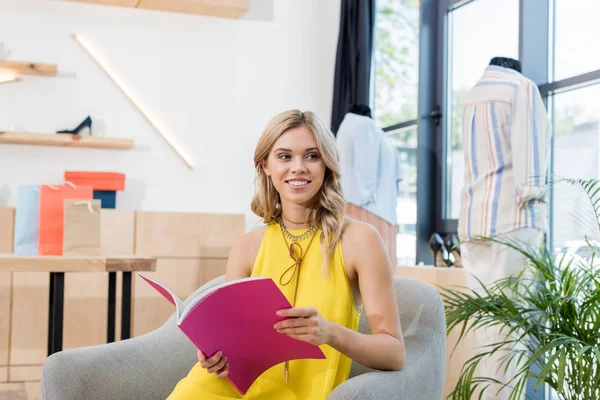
<point>26,220</point>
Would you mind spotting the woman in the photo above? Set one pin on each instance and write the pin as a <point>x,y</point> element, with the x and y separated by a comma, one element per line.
<point>328,266</point>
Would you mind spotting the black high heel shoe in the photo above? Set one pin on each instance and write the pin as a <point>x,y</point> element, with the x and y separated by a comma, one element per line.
<point>453,246</point>
<point>86,123</point>
<point>440,253</point>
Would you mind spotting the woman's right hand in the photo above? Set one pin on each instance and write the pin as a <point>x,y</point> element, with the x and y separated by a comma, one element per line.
<point>216,364</point>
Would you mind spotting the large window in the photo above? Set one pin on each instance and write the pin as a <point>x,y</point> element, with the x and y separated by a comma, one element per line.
<point>477,31</point>
<point>396,61</point>
<point>574,102</point>
<point>405,141</point>
<point>576,149</point>
<point>576,37</point>
<point>395,89</point>
<point>556,42</point>
<point>576,130</point>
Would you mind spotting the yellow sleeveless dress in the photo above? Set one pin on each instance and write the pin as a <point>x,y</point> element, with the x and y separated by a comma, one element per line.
<point>331,295</point>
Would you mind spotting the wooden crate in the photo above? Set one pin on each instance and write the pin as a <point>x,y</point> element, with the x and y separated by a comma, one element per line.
<point>20,391</point>
<point>29,324</point>
<point>86,295</point>
<point>25,373</point>
<point>186,235</point>
<point>7,217</point>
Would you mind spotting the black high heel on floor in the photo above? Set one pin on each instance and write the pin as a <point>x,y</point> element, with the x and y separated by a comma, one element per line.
<point>453,246</point>
<point>440,253</point>
<point>86,123</point>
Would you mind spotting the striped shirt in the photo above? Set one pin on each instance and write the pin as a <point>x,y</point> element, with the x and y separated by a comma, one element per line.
<point>506,141</point>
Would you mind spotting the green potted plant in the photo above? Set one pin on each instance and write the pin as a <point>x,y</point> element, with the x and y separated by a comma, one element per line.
<point>549,314</point>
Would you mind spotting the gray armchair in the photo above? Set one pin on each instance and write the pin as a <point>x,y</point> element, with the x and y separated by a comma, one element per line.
<point>149,366</point>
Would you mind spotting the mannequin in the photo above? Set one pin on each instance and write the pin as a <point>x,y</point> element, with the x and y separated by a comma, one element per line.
<point>506,137</point>
<point>506,62</point>
<point>361,109</point>
<point>370,174</point>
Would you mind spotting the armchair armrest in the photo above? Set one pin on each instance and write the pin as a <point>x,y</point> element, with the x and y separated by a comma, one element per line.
<point>145,367</point>
<point>406,384</point>
<point>422,377</point>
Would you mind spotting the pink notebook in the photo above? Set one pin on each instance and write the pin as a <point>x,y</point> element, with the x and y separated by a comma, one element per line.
<point>237,317</point>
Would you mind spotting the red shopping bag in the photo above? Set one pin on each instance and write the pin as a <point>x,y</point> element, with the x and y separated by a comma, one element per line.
<point>51,222</point>
<point>110,181</point>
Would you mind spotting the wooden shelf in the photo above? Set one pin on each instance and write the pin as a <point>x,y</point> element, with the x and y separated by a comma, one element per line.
<point>28,68</point>
<point>213,8</point>
<point>52,139</point>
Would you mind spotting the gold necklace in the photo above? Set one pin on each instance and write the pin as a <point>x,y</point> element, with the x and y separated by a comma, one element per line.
<point>295,238</point>
<point>295,268</point>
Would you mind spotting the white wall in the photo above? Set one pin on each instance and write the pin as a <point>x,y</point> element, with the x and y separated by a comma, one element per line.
<point>213,82</point>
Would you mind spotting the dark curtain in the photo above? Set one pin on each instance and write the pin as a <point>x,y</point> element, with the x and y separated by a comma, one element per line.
<point>353,60</point>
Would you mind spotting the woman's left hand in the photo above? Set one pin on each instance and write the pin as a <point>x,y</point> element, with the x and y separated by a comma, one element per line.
<point>305,324</point>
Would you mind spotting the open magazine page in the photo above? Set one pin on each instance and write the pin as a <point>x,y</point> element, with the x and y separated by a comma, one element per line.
<point>168,295</point>
<point>202,295</point>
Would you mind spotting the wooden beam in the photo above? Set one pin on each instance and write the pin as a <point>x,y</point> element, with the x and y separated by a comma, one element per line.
<point>28,68</point>
<point>68,140</point>
<point>120,3</point>
<point>212,8</point>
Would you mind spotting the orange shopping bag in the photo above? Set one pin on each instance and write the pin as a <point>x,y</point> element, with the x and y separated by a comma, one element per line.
<point>51,223</point>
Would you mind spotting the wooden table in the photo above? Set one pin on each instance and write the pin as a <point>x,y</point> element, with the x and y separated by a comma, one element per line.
<point>58,265</point>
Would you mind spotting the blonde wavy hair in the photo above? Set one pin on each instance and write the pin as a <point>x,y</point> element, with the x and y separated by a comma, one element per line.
<point>329,213</point>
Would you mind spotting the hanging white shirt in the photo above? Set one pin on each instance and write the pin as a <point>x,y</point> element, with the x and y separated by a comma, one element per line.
<point>369,165</point>
<point>506,140</point>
